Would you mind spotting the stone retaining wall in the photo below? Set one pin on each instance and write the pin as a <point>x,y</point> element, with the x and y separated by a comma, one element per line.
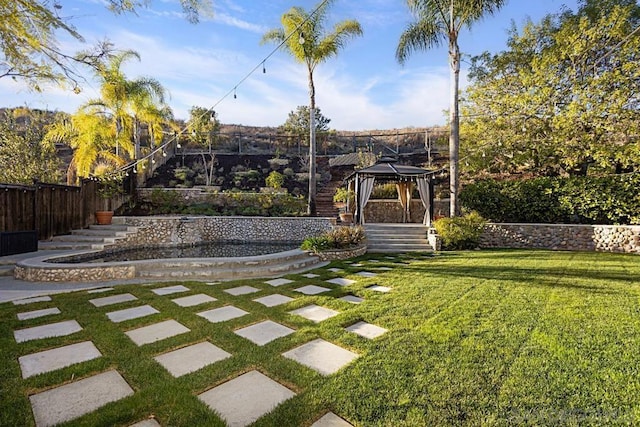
<point>338,254</point>
<point>605,238</point>
<point>171,230</point>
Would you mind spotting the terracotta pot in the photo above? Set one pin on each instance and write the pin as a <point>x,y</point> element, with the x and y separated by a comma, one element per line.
<point>346,217</point>
<point>104,217</point>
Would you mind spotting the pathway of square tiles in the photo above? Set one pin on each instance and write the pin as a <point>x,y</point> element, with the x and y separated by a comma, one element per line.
<point>229,399</point>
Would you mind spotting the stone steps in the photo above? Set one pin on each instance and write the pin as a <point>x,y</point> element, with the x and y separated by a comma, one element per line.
<point>397,238</point>
<point>96,237</point>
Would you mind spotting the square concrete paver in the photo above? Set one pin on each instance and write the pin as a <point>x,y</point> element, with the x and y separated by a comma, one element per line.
<point>99,290</point>
<point>146,423</point>
<point>356,264</point>
<point>264,332</point>
<point>341,281</point>
<point>222,314</point>
<point>168,290</point>
<point>73,400</point>
<point>31,300</point>
<point>212,283</point>
<point>50,360</point>
<point>189,359</point>
<point>156,332</point>
<point>273,300</point>
<point>366,330</point>
<point>242,290</point>
<point>331,420</point>
<point>366,274</point>
<point>193,300</point>
<point>38,313</point>
<point>378,288</point>
<point>352,299</point>
<point>315,313</point>
<point>373,260</point>
<point>310,275</point>
<point>312,290</point>
<point>131,313</point>
<point>59,329</point>
<point>113,299</point>
<point>278,282</point>
<point>321,356</point>
<point>246,398</point>
<point>383,268</point>
<point>335,270</point>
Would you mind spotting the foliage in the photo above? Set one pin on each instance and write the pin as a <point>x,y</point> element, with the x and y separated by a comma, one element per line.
<point>274,180</point>
<point>344,195</point>
<point>336,238</point>
<point>462,232</point>
<point>24,155</point>
<point>561,100</point>
<point>610,199</point>
<point>29,49</point>
<point>439,22</point>
<point>385,191</point>
<point>303,35</point>
<point>298,121</point>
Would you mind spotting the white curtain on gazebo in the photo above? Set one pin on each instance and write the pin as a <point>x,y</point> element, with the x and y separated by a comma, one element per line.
<point>423,189</point>
<point>404,196</point>
<point>366,187</point>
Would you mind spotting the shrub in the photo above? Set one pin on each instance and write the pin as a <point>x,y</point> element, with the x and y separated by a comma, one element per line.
<point>336,238</point>
<point>275,180</point>
<point>460,232</point>
<point>385,191</point>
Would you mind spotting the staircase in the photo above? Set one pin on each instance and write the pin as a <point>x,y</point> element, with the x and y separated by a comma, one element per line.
<point>325,207</point>
<point>94,237</point>
<point>389,238</point>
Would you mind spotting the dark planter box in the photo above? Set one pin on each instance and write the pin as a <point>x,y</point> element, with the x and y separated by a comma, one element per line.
<point>18,242</point>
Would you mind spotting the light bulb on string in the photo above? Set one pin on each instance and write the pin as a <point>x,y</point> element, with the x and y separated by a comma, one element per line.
<point>178,145</point>
<point>153,161</point>
<point>234,93</point>
<point>264,69</point>
<point>164,153</point>
<point>301,38</point>
<point>135,170</point>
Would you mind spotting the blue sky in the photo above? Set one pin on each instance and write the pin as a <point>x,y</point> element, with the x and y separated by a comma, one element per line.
<point>363,88</point>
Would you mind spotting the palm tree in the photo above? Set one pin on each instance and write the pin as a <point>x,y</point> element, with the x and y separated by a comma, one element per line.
<point>437,22</point>
<point>304,37</point>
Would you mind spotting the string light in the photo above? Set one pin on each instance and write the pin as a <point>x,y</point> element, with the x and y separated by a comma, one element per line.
<point>264,69</point>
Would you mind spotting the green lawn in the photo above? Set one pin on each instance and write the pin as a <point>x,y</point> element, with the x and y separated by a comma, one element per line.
<point>475,338</point>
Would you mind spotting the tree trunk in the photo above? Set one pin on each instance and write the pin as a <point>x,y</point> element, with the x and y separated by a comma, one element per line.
<point>311,207</point>
<point>454,135</point>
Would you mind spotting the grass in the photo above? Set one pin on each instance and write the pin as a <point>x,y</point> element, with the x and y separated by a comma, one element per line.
<point>494,338</point>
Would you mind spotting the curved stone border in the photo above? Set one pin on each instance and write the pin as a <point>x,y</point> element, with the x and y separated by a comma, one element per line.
<point>339,254</point>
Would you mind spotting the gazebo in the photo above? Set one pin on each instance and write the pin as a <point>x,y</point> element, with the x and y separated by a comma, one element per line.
<point>386,170</point>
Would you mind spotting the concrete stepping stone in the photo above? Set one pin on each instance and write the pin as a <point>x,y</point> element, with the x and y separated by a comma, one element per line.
<point>73,400</point>
<point>312,290</point>
<point>212,283</point>
<point>352,299</point>
<point>273,300</point>
<point>341,281</point>
<point>335,270</point>
<point>391,257</point>
<point>113,299</point>
<point>156,332</point>
<point>331,420</point>
<point>366,274</point>
<point>99,290</point>
<point>310,275</point>
<point>366,330</point>
<point>59,329</point>
<point>131,313</point>
<point>315,313</point>
<point>192,358</point>
<point>264,332</point>
<point>38,313</point>
<point>25,301</point>
<point>373,260</point>
<point>383,268</point>
<point>378,288</point>
<point>168,290</point>
<point>278,282</point>
<point>356,264</point>
<point>242,290</point>
<point>50,360</point>
<point>244,399</point>
<point>146,423</point>
<point>321,356</point>
<point>222,314</point>
<point>193,300</point>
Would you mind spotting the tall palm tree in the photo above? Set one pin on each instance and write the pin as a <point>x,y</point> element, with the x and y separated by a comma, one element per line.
<point>305,38</point>
<point>437,22</point>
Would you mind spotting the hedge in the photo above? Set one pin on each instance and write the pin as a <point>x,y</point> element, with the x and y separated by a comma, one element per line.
<point>613,199</point>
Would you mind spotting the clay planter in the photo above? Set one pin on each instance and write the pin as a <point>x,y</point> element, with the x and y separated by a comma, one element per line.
<point>104,217</point>
<point>346,217</point>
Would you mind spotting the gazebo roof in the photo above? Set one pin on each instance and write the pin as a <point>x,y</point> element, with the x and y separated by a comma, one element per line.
<point>386,169</point>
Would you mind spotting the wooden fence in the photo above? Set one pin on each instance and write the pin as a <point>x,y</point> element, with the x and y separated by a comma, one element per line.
<point>51,209</point>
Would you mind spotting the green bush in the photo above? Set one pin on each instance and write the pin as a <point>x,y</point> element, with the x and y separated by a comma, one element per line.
<point>385,191</point>
<point>274,180</point>
<point>336,238</point>
<point>461,232</point>
<point>611,199</point>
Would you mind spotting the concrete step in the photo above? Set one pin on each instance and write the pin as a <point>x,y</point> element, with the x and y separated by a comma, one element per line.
<point>6,270</point>
<point>83,238</point>
<point>100,233</point>
<point>399,248</point>
<point>53,245</point>
<point>114,227</point>
<point>396,236</point>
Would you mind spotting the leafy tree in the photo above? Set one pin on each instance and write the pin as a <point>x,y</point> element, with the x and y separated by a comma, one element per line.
<point>562,99</point>
<point>203,126</point>
<point>438,22</point>
<point>298,121</point>
<point>29,48</point>
<point>24,156</point>
<point>305,38</point>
